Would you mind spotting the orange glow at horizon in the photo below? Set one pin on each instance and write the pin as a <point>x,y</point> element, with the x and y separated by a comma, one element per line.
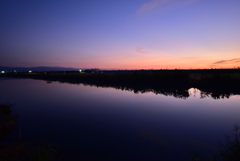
<point>160,63</point>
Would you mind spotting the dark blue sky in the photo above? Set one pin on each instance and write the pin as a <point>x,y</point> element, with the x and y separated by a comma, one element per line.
<point>120,34</point>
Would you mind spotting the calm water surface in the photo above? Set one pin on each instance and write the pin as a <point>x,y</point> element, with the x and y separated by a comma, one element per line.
<point>107,124</point>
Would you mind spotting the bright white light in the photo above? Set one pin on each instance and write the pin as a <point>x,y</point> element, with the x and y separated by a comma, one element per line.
<point>30,71</point>
<point>3,71</point>
<point>80,71</point>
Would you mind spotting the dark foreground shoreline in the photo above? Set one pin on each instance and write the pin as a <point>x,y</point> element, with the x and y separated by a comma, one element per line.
<point>216,83</point>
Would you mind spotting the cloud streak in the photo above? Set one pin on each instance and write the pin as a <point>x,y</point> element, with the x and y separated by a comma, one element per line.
<point>231,61</point>
<point>140,49</point>
<point>152,4</point>
<point>169,41</point>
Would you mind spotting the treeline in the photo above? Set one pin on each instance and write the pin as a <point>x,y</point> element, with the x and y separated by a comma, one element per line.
<point>175,82</point>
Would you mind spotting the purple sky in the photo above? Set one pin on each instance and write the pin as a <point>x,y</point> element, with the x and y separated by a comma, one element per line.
<point>120,34</point>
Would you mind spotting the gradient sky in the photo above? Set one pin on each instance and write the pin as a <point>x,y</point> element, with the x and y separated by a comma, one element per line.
<point>120,34</point>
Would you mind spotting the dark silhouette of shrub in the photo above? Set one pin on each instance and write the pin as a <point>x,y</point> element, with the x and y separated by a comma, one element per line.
<point>7,121</point>
<point>230,149</point>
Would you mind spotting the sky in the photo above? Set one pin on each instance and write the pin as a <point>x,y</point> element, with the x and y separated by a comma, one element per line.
<point>120,34</point>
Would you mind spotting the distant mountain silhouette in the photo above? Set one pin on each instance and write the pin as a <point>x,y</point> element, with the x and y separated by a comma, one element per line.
<point>41,68</point>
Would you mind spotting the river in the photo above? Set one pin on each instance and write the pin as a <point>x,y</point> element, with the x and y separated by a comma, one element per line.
<point>95,123</point>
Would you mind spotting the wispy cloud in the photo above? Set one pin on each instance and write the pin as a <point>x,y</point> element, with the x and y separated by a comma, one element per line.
<point>169,41</point>
<point>140,49</point>
<point>152,4</point>
<point>164,41</point>
<point>231,61</point>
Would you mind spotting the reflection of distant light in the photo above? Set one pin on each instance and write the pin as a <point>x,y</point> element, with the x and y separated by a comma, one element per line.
<point>3,71</point>
<point>30,71</point>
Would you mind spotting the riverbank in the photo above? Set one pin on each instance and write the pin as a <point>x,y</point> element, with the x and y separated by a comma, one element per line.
<point>219,82</point>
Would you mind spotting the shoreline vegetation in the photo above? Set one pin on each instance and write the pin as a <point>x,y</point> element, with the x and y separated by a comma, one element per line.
<point>20,149</point>
<point>217,83</point>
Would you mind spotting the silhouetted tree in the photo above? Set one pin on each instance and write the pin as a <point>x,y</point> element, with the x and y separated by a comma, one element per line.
<point>230,149</point>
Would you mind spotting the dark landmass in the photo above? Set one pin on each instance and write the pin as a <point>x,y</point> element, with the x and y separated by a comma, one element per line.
<point>21,150</point>
<point>38,69</point>
<point>217,83</point>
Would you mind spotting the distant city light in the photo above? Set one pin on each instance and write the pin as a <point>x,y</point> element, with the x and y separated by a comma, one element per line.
<point>30,71</point>
<point>80,71</point>
<point>3,72</point>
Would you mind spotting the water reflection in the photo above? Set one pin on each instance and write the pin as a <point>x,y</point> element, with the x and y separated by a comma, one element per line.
<point>168,89</point>
<point>215,95</point>
<point>177,92</point>
<point>205,94</point>
<point>111,124</point>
